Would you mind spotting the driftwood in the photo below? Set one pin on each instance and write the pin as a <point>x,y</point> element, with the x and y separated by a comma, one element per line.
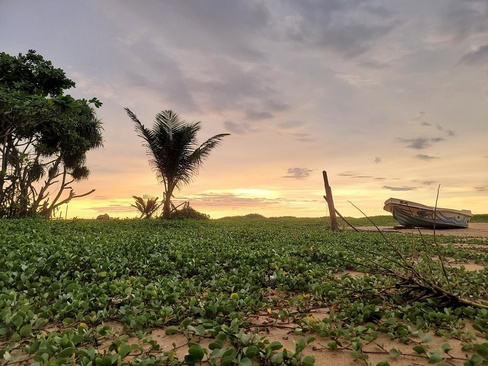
<point>330,202</point>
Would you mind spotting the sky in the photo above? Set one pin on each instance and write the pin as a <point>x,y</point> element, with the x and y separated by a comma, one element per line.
<point>389,97</point>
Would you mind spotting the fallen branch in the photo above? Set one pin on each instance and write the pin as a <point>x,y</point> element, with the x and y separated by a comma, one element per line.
<point>417,282</point>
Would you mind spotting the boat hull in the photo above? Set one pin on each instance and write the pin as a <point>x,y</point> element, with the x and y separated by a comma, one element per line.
<point>412,214</point>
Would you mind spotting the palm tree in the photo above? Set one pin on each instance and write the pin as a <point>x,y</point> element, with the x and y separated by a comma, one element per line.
<point>173,150</point>
<point>146,207</point>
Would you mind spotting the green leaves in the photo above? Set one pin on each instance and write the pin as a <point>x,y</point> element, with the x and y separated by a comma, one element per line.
<point>173,150</point>
<point>63,282</point>
<point>482,350</point>
<point>420,349</point>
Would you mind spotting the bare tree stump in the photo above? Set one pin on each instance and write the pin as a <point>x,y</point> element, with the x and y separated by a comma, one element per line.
<point>330,202</point>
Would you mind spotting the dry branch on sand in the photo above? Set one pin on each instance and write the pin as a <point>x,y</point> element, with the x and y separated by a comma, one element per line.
<point>423,279</point>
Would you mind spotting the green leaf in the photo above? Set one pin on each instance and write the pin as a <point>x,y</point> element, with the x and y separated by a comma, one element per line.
<point>124,350</point>
<point>196,352</point>
<point>215,345</point>
<point>104,361</point>
<point>17,319</point>
<point>300,344</point>
<point>435,358</point>
<point>68,321</point>
<point>245,362</point>
<point>310,339</point>
<point>332,345</point>
<point>277,358</point>
<point>67,352</point>
<point>25,330</point>
<point>229,353</point>
<point>40,323</point>
<point>419,349</point>
<point>426,338</point>
<point>275,346</point>
<point>475,360</point>
<point>383,363</point>
<point>482,350</point>
<point>227,361</point>
<point>200,330</point>
<point>308,361</point>
<point>446,347</point>
<point>15,337</point>
<point>251,351</point>
<point>394,353</point>
<point>171,330</point>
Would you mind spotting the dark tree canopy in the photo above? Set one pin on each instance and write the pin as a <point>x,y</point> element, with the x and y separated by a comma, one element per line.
<point>44,136</point>
<point>31,74</point>
<point>173,150</point>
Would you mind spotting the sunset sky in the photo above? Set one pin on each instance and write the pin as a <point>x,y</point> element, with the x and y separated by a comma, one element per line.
<point>390,97</point>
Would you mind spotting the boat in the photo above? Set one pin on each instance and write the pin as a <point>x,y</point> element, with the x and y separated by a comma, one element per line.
<point>412,214</point>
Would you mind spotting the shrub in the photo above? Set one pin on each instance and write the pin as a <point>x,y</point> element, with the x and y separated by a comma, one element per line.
<point>189,213</point>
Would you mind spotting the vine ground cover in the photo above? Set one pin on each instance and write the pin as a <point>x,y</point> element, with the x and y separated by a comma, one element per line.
<point>236,291</point>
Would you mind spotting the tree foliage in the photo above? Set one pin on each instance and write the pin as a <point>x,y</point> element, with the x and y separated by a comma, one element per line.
<point>44,136</point>
<point>146,207</point>
<point>173,150</point>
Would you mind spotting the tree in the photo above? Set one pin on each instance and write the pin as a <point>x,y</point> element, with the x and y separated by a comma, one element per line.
<point>146,207</point>
<point>173,150</point>
<point>44,136</point>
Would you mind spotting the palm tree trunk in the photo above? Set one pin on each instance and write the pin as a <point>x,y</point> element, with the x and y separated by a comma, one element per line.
<point>167,202</point>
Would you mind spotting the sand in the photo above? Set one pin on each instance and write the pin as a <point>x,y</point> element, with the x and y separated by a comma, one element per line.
<point>479,230</point>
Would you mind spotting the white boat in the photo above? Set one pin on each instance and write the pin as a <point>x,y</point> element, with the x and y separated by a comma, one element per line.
<point>412,214</point>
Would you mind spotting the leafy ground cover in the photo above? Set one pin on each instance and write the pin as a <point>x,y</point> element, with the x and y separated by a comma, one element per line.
<point>214,292</point>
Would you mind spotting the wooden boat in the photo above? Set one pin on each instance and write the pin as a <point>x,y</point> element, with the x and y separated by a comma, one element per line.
<point>412,214</point>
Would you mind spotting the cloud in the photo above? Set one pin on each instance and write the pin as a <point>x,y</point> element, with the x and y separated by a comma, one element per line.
<point>481,189</point>
<point>420,142</point>
<point>448,132</point>
<point>223,27</point>
<point>425,157</point>
<point>226,200</point>
<point>265,110</point>
<point>160,74</point>
<point>426,182</point>
<point>420,116</point>
<point>357,80</point>
<point>229,84</point>
<point>390,188</point>
<point>291,124</point>
<point>113,208</point>
<point>347,174</point>
<point>295,129</point>
<point>298,173</point>
<point>257,115</point>
<point>476,57</point>
<point>375,65</point>
<point>347,28</point>
<point>240,128</point>
<point>355,175</point>
<point>276,106</point>
<point>460,20</point>
<point>303,137</point>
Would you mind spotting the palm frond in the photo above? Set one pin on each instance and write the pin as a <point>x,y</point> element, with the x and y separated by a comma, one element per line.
<point>173,150</point>
<point>146,207</point>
